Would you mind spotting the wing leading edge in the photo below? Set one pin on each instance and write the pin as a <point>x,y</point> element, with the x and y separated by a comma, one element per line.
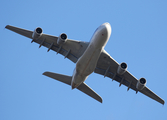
<point>107,66</point>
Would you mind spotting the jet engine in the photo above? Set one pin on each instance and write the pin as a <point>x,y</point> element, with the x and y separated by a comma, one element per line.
<point>37,33</point>
<point>62,39</point>
<point>122,68</point>
<point>141,83</point>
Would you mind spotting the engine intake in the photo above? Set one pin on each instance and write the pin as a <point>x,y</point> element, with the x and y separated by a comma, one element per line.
<point>122,68</point>
<point>37,33</point>
<point>62,39</point>
<point>141,83</point>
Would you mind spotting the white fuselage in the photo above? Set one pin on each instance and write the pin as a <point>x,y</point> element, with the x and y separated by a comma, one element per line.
<point>87,62</point>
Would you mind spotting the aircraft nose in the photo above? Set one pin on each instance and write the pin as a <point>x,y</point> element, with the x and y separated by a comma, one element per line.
<point>106,23</point>
<point>106,27</point>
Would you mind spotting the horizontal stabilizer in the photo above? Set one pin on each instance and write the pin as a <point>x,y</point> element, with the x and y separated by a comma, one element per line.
<point>87,90</point>
<point>67,79</point>
<point>62,78</point>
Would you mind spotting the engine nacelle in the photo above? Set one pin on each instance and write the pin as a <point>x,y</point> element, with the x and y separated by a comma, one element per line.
<point>141,83</point>
<point>37,33</point>
<point>62,39</point>
<point>122,68</point>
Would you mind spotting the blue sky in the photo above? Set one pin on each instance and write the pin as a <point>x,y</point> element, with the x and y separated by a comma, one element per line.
<point>139,38</point>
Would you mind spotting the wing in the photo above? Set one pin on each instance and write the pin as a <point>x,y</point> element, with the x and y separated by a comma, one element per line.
<point>71,49</point>
<point>107,66</point>
<point>67,80</point>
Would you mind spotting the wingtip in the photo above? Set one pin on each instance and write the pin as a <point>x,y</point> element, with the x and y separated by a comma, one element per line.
<point>44,73</point>
<point>6,26</point>
<point>100,100</point>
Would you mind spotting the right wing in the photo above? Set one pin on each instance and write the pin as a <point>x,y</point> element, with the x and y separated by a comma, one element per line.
<point>67,80</point>
<point>71,49</point>
<point>107,66</point>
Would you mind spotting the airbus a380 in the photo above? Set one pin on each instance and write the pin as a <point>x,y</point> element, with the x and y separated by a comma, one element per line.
<point>89,57</point>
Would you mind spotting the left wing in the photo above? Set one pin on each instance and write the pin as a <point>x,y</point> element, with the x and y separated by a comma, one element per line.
<point>71,49</point>
<point>107,66</point>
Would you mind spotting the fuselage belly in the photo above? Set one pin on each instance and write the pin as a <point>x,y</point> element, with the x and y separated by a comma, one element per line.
<point>87,62</point>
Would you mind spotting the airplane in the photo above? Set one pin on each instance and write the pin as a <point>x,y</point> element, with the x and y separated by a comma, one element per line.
<point>89,57</point>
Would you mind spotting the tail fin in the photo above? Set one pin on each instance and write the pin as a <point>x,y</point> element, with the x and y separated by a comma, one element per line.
<point>67,79</point>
